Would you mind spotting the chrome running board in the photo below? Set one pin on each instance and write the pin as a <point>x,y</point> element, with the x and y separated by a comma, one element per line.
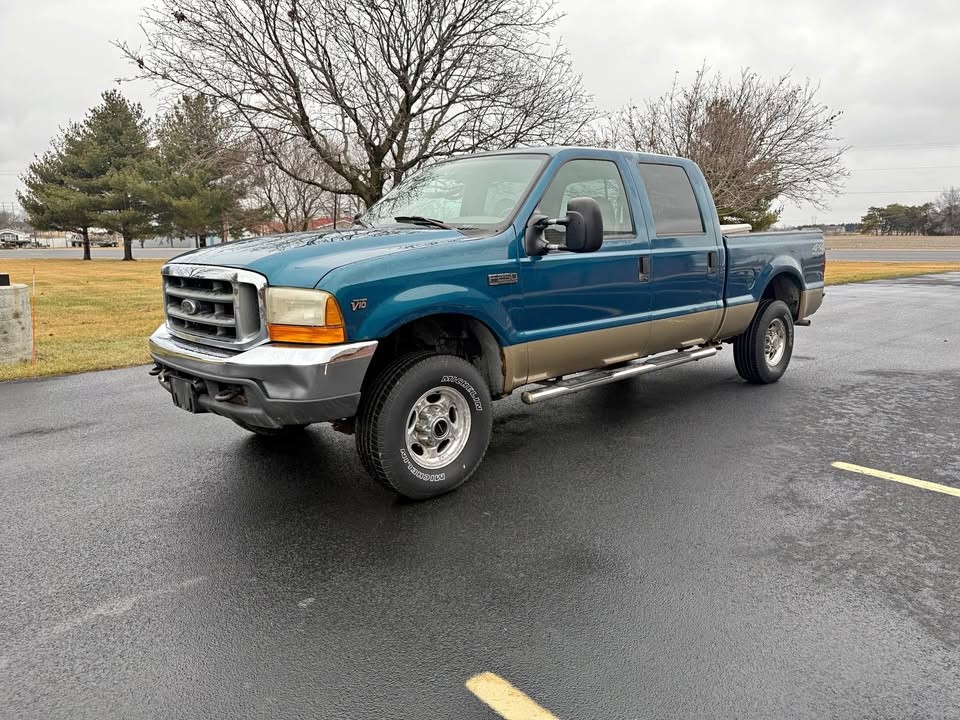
<point>601,377</point>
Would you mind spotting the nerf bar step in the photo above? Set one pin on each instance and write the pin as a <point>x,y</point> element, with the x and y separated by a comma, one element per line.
<point>602,377</point>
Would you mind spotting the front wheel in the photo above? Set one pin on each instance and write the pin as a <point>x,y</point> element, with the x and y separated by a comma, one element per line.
<point>762,353</point>
<point>424,424</point>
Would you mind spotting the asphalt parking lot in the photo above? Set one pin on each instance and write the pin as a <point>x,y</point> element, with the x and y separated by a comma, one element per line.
<point>675,546</point>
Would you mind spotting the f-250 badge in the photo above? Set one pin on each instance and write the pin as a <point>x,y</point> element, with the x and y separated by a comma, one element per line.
<point>359,304</point>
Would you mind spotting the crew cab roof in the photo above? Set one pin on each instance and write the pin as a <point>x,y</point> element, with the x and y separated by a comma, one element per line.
<point>586,151</point>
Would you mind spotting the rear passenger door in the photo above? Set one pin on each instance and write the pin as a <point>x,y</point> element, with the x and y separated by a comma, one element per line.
<point>686,274</point>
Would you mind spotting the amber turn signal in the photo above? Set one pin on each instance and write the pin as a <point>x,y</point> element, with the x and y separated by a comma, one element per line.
<point>307,334</point>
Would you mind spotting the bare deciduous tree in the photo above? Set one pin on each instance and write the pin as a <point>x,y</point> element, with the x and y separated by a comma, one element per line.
<point>295,196</point>
<point>755,140</point>
<point>947,216</point>
<point>375,89</point>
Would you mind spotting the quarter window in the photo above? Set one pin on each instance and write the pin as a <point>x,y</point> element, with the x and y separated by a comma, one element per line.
<point>675,208</point>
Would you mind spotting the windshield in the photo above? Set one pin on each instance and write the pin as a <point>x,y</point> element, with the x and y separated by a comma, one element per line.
<point>473,192</point>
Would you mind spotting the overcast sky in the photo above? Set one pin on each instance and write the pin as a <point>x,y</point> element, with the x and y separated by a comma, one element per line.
<point>891,66</point>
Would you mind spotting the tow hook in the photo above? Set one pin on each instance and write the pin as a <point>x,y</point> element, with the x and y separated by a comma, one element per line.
<point>155,370</point>
<point>227,395</point>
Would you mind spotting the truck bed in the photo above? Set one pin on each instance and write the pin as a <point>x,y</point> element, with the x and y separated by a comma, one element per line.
<point>749,260</point>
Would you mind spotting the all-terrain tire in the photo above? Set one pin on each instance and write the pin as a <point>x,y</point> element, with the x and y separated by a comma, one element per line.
<point>388,409</point>
<point>756,353</point>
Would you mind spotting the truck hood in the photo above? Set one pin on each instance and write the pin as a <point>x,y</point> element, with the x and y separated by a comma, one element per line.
<point>302,259</point>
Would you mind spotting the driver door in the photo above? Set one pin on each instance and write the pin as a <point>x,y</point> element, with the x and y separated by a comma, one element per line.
<point>586,310</point>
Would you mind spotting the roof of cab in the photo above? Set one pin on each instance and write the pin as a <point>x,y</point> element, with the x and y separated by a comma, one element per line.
<point>553,150</point>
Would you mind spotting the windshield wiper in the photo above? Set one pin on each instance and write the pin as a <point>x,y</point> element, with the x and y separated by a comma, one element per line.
<point>421,220</point>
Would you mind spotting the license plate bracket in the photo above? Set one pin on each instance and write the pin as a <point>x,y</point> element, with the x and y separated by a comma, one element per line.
<point>184,393</point>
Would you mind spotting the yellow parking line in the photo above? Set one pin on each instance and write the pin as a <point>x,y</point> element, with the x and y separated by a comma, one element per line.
<point>923,484</point>
<point>504,699</point>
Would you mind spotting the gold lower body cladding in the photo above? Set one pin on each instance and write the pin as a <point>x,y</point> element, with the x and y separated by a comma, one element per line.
<point>552,357</point>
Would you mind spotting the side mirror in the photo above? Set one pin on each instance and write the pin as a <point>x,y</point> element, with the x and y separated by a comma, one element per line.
<point>584,224</point>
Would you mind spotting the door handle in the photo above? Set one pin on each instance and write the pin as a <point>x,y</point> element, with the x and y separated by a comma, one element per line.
<point>712,261</point>
<point>644,274</point>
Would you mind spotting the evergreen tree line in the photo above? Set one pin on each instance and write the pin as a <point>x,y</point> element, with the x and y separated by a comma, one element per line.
<point>186,173</point>
<point>941,217</point>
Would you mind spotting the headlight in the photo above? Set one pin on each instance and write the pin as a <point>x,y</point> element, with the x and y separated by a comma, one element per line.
<point>295,315</point>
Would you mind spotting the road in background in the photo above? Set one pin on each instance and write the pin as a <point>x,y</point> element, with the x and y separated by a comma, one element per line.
<point>671,546</point>
<point>96,253</point>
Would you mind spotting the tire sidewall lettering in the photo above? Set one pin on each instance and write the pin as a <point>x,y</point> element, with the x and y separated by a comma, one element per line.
<point>457,380</point>
<point>417,472</point>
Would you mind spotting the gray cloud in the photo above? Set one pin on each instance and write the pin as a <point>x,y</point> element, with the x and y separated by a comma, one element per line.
<point>891,66</point>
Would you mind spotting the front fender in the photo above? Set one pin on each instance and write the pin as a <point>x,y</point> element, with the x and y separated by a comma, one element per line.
<point>408,305</point>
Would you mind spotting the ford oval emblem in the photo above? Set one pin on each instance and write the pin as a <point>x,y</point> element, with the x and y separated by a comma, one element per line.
<point>190,307</point>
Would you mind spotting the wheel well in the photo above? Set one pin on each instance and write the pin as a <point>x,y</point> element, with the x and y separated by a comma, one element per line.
<point>784,287</point>
<point>448,334</point>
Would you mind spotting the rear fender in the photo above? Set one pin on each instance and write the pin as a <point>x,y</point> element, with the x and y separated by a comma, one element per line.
<point>780,265</point>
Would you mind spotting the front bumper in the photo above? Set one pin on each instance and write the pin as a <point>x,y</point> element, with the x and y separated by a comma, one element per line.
<point>269,385</point>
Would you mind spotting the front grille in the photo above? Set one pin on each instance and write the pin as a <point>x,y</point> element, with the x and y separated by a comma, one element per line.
<point>213,306</point>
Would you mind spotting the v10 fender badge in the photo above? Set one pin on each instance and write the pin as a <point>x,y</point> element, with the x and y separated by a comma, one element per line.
<point>502,278</point>
<point>359,304</point>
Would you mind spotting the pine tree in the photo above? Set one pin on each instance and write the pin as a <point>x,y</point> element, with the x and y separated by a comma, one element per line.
<point>58,193</point>
<point>125,169</point>
<point>204,173</point>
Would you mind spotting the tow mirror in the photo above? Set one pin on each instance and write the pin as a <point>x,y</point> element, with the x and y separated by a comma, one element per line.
<point>584,229</point>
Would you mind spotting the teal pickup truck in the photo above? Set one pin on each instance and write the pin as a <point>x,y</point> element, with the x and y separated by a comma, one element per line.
<point>554,270</point>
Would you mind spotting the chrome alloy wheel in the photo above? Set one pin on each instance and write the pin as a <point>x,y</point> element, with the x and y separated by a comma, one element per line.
<point>438,427</point>
<point>775,342</point>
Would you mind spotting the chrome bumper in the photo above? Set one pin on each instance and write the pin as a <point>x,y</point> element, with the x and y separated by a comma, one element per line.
<point>275,385</point>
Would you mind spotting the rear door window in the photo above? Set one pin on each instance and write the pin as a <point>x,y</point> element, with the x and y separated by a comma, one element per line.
<point>674,205</point>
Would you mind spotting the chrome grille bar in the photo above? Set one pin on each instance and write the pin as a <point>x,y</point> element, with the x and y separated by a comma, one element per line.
<point>204,318</point>
<point>198,294</point>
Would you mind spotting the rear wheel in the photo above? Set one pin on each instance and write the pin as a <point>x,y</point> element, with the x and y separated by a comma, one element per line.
<point>762,353</point>
<point>424,424</point>
<point>284,431</point>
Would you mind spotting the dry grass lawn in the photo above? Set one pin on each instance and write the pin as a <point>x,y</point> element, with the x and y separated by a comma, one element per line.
<point>89,315</point>
<point>839,271</point>
<point>97,315</point>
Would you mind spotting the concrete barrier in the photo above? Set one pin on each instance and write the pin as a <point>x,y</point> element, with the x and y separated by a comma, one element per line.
<point>16,332</point>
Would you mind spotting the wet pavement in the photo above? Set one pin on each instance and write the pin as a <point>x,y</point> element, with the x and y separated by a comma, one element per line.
<point>677,545</point>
